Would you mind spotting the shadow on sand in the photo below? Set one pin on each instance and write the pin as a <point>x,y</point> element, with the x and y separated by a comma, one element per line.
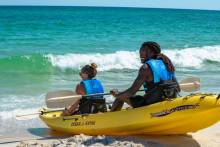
<point>148,141</point>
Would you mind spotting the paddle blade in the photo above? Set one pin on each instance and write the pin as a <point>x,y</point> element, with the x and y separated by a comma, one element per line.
<point>190,84</point>
<point>61,99</point>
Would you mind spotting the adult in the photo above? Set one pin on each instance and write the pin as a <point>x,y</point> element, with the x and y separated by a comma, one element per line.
<point>156,75</point>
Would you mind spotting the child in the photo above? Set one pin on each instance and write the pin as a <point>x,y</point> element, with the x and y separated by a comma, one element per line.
<point>88,85</point>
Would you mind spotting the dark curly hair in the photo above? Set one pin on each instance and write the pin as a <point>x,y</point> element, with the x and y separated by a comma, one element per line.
<point>155,48</point>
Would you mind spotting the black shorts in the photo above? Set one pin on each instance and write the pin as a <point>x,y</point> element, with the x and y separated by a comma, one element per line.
<point>92,106</point>
<point>139,101</point>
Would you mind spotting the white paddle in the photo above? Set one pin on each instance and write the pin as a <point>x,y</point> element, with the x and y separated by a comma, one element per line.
<point>65,98</point>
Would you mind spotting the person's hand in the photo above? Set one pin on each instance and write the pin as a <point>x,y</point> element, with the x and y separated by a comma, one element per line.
<point>114,92</point>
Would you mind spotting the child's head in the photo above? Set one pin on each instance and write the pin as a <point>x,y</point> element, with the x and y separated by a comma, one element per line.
<point>88,71</point>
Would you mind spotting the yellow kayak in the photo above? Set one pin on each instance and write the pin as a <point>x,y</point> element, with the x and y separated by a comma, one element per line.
<point>176,116</point>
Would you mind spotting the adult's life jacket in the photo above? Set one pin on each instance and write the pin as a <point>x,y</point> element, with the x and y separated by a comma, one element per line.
<point>164,82</point>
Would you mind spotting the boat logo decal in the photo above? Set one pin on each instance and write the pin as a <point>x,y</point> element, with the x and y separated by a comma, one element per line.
<point>86,123</point>
<point>175,109</point>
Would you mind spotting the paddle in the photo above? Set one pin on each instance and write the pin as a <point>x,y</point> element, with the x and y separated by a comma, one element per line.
<point>65,98</point>
<point>34,115</point>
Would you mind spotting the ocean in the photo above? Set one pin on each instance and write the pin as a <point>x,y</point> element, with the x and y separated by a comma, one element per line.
<point>43,48</point>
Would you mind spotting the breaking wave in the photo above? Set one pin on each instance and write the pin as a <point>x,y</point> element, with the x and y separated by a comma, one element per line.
<point>195,57</point>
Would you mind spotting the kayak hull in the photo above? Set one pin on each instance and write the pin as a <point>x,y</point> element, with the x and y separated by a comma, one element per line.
<point>177,116</point>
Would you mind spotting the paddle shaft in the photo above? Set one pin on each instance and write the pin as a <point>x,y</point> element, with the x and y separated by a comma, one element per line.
<point>98,94</point>
<point>102,94</point>
<point>41,112</point>
<point>78,96</point>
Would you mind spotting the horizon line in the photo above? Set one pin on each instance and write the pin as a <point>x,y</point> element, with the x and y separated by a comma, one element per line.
<point>110,7</point>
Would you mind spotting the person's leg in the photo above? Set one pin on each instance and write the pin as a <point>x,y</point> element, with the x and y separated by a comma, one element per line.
<point>69,111</point>
<point>135,101</point>
<point>152,98</point>
<point>117,105</point>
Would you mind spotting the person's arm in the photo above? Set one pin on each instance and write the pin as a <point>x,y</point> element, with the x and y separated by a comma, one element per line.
<point>80,89</point>
<point>143,74</point>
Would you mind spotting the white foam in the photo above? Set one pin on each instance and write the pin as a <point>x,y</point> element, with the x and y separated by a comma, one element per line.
<point>187,57</point>
<point>24,101</point>
<point>194,57</point>
<point>19,104</point>
<point>117,60</point>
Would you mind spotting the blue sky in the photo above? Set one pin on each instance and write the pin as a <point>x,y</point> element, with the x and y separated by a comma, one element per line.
<point>184,4</point>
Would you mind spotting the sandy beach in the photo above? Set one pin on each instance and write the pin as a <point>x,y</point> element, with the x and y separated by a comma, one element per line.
<point>209,137</point>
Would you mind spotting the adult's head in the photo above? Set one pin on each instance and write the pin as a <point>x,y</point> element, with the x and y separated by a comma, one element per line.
<point>88,71</point>
<point>148,50</point>
<point>152,50</point>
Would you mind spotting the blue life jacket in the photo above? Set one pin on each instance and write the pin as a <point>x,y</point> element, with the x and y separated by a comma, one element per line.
<point>93,86</point>
<point>159,72</point>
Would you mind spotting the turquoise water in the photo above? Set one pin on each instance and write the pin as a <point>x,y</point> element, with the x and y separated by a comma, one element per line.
<point>43,48</point>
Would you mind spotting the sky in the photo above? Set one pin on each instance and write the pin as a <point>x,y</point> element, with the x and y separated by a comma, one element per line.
<point>183,4</point>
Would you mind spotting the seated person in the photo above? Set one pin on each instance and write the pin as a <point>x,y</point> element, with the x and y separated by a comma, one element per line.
<point>89,85</point>
<point>156,75</point>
